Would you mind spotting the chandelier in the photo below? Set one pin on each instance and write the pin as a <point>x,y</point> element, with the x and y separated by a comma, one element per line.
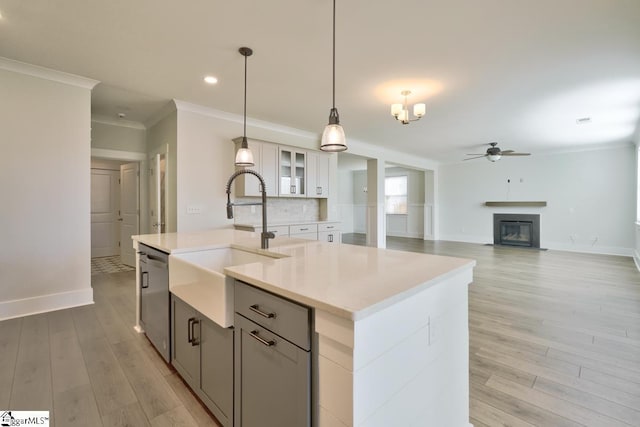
<point>401,111</point>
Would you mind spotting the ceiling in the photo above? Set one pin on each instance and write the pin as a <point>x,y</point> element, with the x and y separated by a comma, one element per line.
<point>517,72</point>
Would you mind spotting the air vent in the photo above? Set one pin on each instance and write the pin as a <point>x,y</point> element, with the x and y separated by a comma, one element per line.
<point>583,120</point>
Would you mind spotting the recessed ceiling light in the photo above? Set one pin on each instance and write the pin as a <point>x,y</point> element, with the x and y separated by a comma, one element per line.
<point>121,115</point>
<point>211,80</point>
<point>583,120</point>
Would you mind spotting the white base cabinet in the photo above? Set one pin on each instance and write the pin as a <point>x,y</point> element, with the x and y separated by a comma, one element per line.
<point>203,355</point>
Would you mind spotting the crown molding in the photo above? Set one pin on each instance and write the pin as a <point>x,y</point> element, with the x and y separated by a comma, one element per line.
<point>105,120</point>
<point>168,108</point>
<point>46,73</point>
<point>237,118</point>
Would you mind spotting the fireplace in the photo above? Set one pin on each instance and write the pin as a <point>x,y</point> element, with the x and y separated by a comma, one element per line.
<point>516,230</point>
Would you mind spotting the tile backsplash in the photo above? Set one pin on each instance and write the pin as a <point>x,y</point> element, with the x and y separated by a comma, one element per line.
<point>279,210</point>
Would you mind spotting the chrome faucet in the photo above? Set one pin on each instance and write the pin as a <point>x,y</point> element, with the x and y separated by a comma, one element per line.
<point>265,235</point>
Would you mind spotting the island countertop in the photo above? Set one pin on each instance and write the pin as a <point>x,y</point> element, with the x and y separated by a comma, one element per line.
<point>349,281</point>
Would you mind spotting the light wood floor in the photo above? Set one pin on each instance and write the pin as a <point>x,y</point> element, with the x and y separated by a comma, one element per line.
<point>554,336</point>
<point>89,368</point>
<point>555,341</point>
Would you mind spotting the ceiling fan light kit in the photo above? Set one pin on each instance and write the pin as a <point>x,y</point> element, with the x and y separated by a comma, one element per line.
<point>494,153</point>
<point>401,111</point>
<point>333,138</point>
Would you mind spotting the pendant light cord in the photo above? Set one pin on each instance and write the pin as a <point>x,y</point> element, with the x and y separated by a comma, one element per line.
<point>245,96</point>
<point>334,54</point>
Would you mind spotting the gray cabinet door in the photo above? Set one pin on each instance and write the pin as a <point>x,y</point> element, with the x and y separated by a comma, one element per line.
<point>217,369</point>
<point>272,381</point>
<point>186,333</point>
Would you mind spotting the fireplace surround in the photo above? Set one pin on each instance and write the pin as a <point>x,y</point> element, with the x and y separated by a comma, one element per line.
<point>516,230</point>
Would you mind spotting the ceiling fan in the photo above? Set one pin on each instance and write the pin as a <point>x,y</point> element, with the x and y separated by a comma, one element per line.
<point>494,153</point>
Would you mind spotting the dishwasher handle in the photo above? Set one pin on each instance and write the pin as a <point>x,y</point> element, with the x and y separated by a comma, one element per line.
<point>144,284</point>
<point>157,262</point>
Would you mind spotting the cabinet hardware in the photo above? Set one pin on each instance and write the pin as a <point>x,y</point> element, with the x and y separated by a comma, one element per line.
<point>142,281</point>
<point>293,189</point>
<point>189,329</point>
<point>330,238</point>
<point>304,229</point>
<point>318,190</point>
<point>268,343</point>
<point>194,340</point>
<point>329,227</point>
<point>256,309</point>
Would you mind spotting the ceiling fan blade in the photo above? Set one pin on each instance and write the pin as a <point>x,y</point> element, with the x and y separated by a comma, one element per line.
<point>515,154</point>
<point>478,157</point>
<point>476,154</point>
<point>506,151</point>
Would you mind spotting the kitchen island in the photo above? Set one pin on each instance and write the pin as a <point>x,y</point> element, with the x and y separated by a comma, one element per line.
<point>390,343</point>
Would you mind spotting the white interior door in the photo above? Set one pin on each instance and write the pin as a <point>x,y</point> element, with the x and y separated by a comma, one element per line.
<point>105,201</point>
<point>129,211</point>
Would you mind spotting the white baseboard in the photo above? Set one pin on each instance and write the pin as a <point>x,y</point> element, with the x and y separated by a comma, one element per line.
<point>601,250</point>
<point>636,258</point>
<point>465,238</point>
<point>45,303</point>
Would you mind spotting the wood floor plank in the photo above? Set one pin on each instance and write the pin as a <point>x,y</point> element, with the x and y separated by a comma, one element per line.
<point>611,381</point>
<point>130,415</point>
<point>177,417</point>
<point>494,416</point>
<point>588,400</point>
<point>519,408</point>
<point>190,402</point>
<point>68,369</point>
<point>32,389</point>
<point>9,344</point>
<point>108,381</point>
<point>76,407</point>
<point>560,407</point>
<point>152,391</point>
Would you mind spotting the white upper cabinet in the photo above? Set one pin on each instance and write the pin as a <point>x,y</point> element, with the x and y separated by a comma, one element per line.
<point>317,175</point>
<point>292,172</point>
<point>265,157</point>
<point>287,171</point>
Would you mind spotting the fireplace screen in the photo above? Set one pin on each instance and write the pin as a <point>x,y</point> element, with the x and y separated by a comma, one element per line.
<point>516,233</point>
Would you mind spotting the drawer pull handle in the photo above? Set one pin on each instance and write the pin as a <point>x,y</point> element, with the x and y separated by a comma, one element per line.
<point>256,309</point>
<point>268,343</point>
<point>304,229</point>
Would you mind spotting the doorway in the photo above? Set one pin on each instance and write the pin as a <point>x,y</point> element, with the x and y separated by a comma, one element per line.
<point>115,210</point>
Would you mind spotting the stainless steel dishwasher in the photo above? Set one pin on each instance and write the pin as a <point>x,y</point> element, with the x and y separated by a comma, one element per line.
<point>154,299</point>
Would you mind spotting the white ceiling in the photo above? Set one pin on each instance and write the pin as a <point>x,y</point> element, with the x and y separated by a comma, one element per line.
<point>514,71</point>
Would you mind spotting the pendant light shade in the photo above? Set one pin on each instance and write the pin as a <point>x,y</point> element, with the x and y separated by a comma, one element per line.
<point>244,156</point>
<point>333,138</point>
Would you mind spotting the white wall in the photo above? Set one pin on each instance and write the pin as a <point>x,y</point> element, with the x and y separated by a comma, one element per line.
<point>117,137</point>
<point>590,194</point>
<point>345,200</point>
<point>205,154</point>
<point>162,136</point>
<point>411,224</point>
<point>636,253</point>
<point>45,174</point>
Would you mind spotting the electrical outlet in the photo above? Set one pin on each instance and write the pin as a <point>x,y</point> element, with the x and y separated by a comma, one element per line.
<point>194,210</point>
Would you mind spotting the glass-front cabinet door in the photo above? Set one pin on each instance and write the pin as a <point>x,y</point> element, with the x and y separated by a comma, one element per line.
<point>292,166</point>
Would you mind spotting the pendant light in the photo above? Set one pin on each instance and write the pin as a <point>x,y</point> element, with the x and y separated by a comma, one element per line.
<point>244,157</point>
<point>333,138</point>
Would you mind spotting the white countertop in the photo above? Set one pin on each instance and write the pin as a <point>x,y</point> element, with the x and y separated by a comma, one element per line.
<point>347,280</point>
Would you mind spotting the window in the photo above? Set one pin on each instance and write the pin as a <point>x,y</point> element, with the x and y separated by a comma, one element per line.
<point>395,194</point>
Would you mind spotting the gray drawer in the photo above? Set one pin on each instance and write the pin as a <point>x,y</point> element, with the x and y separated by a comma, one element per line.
<point>283,317</point>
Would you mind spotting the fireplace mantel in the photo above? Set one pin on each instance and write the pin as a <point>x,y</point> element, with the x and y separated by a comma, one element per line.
<point>529,204</point>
